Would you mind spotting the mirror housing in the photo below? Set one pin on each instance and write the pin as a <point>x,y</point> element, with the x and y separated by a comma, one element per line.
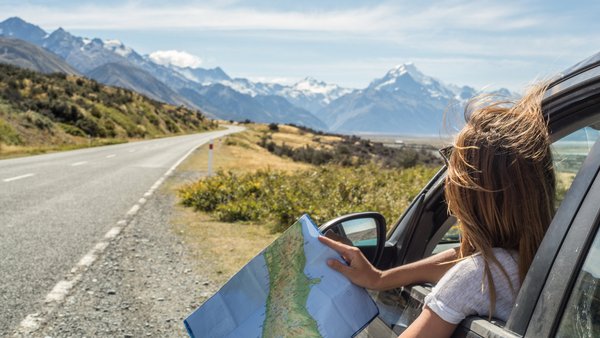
<point>364,230</point>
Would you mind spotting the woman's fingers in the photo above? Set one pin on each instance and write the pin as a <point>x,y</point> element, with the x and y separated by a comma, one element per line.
<point>342,249</point>
<point>339,266</point>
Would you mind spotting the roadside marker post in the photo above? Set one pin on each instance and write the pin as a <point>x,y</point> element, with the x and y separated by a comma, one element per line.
<point>210,156</point>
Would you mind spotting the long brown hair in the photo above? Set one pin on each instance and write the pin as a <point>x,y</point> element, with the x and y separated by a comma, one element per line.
<point>500,182</point>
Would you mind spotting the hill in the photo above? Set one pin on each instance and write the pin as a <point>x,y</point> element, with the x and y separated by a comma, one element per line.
<point>57,109</point>
<point>26,55</point>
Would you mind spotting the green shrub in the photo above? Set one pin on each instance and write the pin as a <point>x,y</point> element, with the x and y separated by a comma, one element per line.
<point>7,134</point>
<point>72,130</point>
<point>278,198</point>
<point>35,120</point>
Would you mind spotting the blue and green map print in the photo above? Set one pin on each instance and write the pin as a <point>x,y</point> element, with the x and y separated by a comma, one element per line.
<point>286,291</point>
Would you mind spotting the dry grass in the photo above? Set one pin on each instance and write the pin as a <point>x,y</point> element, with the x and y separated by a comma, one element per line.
<point>12,151</point>
<point>229,245</point>
<point>239,153</point>
<point>295,137</point>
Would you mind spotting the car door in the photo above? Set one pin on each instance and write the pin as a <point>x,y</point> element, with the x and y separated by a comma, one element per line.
<point>571,107</point>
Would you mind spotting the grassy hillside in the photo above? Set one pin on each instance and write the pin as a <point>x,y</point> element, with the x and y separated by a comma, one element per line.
<point>39,111</point>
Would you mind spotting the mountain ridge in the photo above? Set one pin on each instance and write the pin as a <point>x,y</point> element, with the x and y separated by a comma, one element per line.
<point>26,55</point>
<point>401,99</point>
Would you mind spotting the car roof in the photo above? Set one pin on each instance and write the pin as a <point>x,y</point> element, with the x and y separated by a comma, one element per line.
<point>576,75</point>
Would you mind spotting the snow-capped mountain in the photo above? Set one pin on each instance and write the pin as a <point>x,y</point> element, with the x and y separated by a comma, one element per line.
<point>85,54</point>
<point>113,63</point>
<point>404,100</point>
<point>313,95</point>
<point>309,93</point>
<point>201,75</point>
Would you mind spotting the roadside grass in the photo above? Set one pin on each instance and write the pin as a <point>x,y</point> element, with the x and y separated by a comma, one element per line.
<point>12,151</point>
<point>220,249</point>
<point>230,245</point>
<point>227,246</point>
<point>297,138</point>
<point>240,153</point>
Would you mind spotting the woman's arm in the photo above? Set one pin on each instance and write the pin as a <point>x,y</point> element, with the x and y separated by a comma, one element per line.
<point>429,324</point>
<point>362,273</point>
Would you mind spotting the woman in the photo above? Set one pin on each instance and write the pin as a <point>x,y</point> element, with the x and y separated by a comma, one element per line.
<point>500,186</point>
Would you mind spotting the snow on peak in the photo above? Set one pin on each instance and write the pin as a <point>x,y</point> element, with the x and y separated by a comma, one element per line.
<point>112,43</point>
<point>410,69</point>
<point>117,47</point>
<point>312,86</point>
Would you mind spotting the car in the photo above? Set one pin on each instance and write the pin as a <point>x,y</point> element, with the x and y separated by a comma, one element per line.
<point>560,295</point>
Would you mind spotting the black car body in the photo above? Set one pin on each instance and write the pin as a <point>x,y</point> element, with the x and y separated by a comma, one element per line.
<point>560,295</point>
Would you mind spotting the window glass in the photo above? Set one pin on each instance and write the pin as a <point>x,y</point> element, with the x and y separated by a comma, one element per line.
<point>569,154</point>
<point>582,314</point>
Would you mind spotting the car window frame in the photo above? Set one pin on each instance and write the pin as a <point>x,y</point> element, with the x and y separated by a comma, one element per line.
<point>572,252</point>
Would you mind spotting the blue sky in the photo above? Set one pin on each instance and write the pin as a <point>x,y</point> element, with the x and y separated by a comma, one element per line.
<point>478,43</point>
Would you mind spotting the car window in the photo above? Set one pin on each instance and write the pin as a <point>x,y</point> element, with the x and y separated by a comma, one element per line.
<point>582,314</point>
<point>568,154</point>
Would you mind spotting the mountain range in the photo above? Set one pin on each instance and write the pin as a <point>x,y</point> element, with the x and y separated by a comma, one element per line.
<point>403,101</point>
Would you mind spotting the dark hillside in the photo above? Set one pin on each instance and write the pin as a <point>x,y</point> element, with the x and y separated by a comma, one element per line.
<point>57,109</point>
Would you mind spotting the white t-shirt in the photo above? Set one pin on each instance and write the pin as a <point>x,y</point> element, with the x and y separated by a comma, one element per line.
<point>463,290</point>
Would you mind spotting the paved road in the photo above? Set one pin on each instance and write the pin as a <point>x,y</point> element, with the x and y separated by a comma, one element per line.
<point>54,208</point>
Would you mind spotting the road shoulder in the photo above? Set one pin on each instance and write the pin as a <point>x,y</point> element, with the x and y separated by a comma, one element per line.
<point>144,284</point>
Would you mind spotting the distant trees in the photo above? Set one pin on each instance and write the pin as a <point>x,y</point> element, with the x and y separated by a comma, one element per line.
<point>352,151</point>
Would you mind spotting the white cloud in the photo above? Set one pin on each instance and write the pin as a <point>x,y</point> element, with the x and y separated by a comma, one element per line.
<point>134,15</point>
<point>175,58</point>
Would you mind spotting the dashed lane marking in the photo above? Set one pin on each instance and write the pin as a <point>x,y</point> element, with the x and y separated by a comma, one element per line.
<point>78,163</point>
<point>111,156</point>
<point>32,322</point>
<point>17,177</point>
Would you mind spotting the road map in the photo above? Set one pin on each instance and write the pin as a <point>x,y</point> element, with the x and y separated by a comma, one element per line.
<point>286,291</point>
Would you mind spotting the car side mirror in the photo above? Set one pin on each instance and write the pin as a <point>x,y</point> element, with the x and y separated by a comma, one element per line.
<point>364,230</point>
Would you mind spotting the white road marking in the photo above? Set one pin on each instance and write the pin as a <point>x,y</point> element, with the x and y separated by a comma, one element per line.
<point>112,233</point>
<point>132,150</point>
<point>78,163</point>
<point>134,209</point>
<point>111,156</point>
<point>17,177</point>
<point>32,322</point>
<point>61,289</point>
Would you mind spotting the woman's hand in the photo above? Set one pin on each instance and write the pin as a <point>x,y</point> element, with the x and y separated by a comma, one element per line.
<point>359,270</point>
